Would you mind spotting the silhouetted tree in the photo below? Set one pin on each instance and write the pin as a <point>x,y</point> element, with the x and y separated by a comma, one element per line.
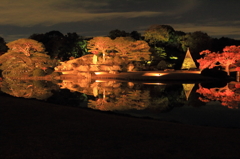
<point>118,33</point>
<point>53,42</point>
<point>219,44</point>
<point>3,46</point>
<point>73,46</point>
<point>136,35</point>
<point>196,42</point>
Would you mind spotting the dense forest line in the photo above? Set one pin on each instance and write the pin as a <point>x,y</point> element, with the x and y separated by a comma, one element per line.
<point>165,44</point>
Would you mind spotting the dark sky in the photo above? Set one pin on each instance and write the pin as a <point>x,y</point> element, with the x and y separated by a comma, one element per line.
<point>22,18</point>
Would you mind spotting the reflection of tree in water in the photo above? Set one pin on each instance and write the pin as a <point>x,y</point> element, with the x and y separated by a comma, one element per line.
<point>155,98</point>
<point>28,89</point>
<point>137,99</point>
<point>114,95</point>
<point>228,95</point>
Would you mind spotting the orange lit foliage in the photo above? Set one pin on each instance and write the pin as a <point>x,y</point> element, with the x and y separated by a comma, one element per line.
<point>100,45</point>
<point>226,59</point>
<point>132,49</point>
<point>27,89</point>
<point>132,100</point>
<point>23,57</point>
<point>26,46</point>
<point>123,46</point>
<point>227,97</point>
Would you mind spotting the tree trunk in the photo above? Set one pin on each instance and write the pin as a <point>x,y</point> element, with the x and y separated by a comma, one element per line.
<point>95,59</point>
<point>227,70</point>
<point>238,76</point>
<point>103,56</point>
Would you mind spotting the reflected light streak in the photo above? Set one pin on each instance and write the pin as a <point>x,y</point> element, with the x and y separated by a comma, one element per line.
<point>100,73</point>
<point>154,74</point>
<point>154,83</point>
<point>100,81</point>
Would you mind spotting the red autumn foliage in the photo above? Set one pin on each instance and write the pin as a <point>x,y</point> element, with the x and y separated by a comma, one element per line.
<point>228,58</point>
<point>227,97</point>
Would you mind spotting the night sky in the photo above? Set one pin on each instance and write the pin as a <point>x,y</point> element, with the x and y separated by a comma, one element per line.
<point>22,18</point>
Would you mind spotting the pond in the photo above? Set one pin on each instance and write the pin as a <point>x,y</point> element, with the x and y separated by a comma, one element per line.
<point>205,104</point>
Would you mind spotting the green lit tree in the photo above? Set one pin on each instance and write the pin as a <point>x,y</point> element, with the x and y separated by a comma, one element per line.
<point>73,46</point>
<point>158,33</point>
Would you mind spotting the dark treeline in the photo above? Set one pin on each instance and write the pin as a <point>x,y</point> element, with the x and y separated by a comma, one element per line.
<point>166,44</point>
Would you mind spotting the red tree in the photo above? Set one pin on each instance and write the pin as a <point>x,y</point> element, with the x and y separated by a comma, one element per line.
<point>228,97</point>
<point>228,58</point>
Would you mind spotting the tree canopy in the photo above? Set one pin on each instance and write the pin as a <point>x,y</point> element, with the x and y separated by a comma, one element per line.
<point>23,57</point>
<point>228,58</point>
<point>26,46</point>
<point>134,50</point>
<point>158,33</point>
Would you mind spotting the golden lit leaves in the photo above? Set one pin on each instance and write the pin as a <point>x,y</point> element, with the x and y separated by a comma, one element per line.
<point>23,56</point>
<point>121,46</point>
<point>26,46</point>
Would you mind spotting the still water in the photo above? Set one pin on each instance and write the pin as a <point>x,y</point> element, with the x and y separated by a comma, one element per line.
<point>206,104</point>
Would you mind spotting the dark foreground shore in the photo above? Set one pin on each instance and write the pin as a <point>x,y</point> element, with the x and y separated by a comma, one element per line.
<point>35,129</point>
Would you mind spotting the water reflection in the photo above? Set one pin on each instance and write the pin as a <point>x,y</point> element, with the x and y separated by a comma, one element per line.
<point>109,95</point>
<point>228,95</point>
<point>190,103</point>
<point>28,89</point>
<point>121,96</point>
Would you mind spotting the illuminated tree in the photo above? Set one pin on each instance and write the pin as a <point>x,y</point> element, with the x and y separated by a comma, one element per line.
<point>228,58</point>
<point>188,62</point>
<point>26,46</point>
<point>122,45</point>
<point>160,52</point>
<point>139,51</point>
<point>209,60</point>
<point>158,33</point>
<point>99,45</point>
<point>23,57</point>
<point>134,50</point>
